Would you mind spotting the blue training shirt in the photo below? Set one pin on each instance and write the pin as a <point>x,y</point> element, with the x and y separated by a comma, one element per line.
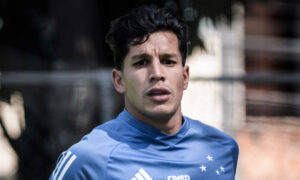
<point>127,149</point>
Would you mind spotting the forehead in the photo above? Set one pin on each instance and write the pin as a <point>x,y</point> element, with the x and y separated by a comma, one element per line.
<point>160,42</point>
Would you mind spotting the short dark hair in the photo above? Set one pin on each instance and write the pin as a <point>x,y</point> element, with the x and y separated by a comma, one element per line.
<point>135,28</point>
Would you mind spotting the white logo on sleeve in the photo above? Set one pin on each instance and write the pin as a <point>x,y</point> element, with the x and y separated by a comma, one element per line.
<point>63,165</point>
<point>141,175</point>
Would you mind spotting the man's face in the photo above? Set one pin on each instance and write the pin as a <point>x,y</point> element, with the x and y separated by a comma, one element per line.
<point>153,78</point>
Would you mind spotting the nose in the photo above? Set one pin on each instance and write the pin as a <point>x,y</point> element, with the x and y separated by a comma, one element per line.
<point>156,71</point>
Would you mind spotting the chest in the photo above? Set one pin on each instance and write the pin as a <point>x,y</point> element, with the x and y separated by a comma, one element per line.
<point>177,163</point>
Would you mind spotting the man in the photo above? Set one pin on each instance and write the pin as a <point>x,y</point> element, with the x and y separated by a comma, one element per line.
<point>150,139</point>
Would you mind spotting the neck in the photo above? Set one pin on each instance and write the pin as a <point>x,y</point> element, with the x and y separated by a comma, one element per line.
<point>169,124</point>
<point>172,125</point>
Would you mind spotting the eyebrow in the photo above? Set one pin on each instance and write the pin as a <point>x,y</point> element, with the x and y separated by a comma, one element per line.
<point>169,55</point>
<point>145,55</point>
<point>140,56</point>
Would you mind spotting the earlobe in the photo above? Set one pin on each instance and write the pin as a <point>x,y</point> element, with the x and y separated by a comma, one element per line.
<point>117,80</point>
<point>186,76</point>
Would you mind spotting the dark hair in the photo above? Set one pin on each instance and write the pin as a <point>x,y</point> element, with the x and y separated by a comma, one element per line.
<point>135,28</point>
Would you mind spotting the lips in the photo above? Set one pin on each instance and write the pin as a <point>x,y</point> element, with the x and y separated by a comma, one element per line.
<point>159,94</point>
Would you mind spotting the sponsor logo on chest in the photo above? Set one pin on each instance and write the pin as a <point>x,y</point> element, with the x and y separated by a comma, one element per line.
<point>180,177</point>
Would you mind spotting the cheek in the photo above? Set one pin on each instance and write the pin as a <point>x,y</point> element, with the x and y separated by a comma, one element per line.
<point>180,86</point>
<point>133,84</point>
<point>179,81</point>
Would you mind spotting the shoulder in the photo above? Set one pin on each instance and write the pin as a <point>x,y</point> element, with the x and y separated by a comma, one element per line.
<point>98,142</point>
<point>88,158</point>
<point>216,137</point>
<point>213,134</point>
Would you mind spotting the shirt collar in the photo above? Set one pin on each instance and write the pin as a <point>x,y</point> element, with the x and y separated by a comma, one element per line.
<point>152,132</point>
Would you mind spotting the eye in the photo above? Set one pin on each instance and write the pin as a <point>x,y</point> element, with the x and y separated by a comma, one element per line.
<point>168,61</point>
<point>142,62</point>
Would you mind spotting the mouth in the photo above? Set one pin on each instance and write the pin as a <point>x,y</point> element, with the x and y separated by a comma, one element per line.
<point>159,94</point>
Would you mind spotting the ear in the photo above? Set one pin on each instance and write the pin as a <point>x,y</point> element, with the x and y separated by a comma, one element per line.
<point>186,76</point>
<point>117,80</point>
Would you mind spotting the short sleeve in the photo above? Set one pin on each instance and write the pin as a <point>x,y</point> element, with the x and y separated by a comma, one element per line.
<point>65,164</point>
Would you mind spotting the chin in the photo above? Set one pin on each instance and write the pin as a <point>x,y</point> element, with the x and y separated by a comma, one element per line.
<point>161,112</point>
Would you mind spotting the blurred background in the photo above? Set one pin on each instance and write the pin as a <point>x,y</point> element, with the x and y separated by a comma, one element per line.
<point>55,85</point>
